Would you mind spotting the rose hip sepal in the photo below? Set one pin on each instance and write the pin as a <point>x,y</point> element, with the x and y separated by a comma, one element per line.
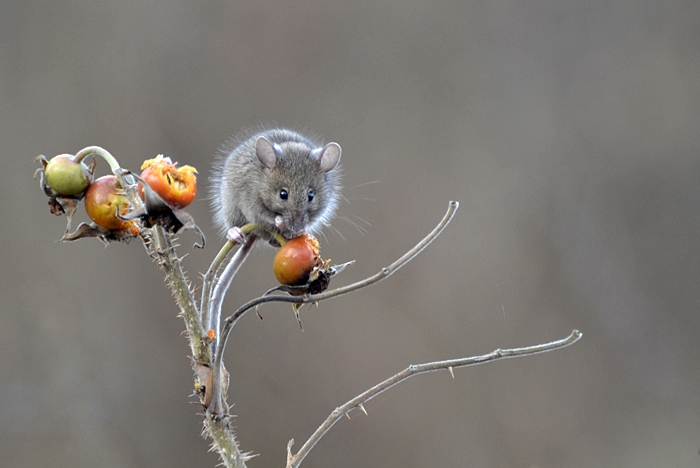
<point>106,205</point>
<point>104,202</point>
<point>63,176</point>
<point>156,211</point>
<point>85,230</point>
<point>318,281</point>
<point>65,182</point>
<point>301,270</point>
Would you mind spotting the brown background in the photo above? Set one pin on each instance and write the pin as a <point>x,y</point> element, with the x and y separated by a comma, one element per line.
<point>569,131</point>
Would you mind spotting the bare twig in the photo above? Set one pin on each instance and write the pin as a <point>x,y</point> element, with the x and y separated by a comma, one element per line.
<point>223,281</point>
<point>383,274</point>
<point>293,461</point>
<point>220,275</point>
<point>216,406</point>
<point>208,282</point>
<point>216,282</point>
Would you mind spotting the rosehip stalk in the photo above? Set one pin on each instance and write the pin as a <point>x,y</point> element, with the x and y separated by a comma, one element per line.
<point>125,180</point>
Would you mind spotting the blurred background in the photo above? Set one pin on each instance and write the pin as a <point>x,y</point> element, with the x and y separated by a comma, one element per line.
<point>569,131</point>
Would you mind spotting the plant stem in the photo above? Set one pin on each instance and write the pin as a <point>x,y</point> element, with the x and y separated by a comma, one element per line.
<point>293,461</point>
<point>382,274</point>
<point>219,429</point>
<point>208,282</point>
<point>101,152</point>
<point>164,253</point>
<point>127,182</point>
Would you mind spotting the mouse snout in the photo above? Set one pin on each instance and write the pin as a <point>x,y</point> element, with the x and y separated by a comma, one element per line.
<point>295,223</point>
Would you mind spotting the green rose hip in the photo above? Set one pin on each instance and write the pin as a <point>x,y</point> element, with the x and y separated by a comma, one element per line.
<point>66,177</point>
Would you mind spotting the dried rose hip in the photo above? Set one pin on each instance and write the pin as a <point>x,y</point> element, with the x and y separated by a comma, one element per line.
<point>101,202</point>
<point>296,259</point>
<point>177,186</point>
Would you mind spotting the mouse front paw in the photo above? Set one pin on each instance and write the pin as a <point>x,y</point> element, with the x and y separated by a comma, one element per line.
<point>236,234</point>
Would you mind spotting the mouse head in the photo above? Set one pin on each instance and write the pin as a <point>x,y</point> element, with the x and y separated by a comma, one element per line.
<point>302,188</point>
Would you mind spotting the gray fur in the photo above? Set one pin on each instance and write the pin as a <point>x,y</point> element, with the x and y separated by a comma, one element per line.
<point>249,173</point>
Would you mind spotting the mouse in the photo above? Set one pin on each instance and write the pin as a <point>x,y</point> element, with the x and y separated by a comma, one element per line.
<point>278,179</point>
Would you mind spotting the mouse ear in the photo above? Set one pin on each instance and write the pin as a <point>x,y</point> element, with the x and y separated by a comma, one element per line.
<point>328,156</point>
<point>266,152</point>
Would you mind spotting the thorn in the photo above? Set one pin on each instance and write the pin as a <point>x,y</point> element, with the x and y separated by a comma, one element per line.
<point>296,308</point>
<point>451,371</point>
<point>348,415</point>
<point>290,457</point>
<point>257,311</point>
<point>362,407</point>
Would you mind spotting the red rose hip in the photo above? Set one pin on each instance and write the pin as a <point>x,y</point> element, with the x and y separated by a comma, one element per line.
<point>296,259</point>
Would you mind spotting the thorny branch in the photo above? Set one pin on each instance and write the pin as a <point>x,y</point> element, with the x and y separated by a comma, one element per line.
<point>159,245</point>
<point>293,461</point>
<point>219,429</point>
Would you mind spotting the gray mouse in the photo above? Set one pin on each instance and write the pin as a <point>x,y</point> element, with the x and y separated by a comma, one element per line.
<point>277,179</point>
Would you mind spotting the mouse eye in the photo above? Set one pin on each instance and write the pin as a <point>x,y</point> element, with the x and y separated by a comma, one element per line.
<point>284,194</point>
<point>311,194</point>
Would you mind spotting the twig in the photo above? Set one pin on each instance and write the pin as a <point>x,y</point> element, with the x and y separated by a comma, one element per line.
<point>293,461</point>
<point>383,274</point>
<point>208,281</point>
<point>161,249</point>
<point>220,276</point>
<point>223,281</point>
<point>216,406</point>
<point>213,298</point>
